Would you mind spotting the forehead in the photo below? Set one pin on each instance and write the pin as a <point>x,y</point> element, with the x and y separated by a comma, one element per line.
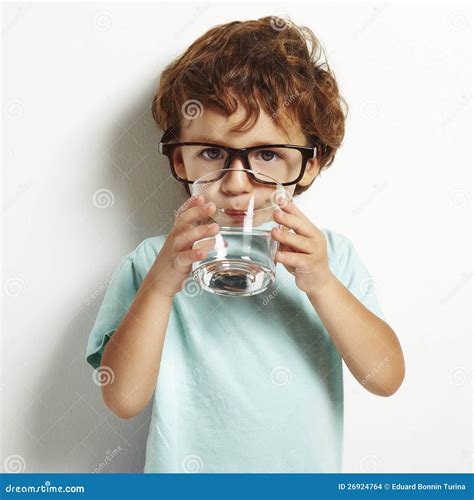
<point>211,124</point>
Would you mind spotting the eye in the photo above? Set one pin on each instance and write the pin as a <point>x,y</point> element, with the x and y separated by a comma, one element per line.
<point>267,155</point>
<point>211,153</point>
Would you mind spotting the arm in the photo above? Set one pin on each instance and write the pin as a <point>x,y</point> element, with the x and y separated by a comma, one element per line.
<point>367,344</point>
<point>133,353</point>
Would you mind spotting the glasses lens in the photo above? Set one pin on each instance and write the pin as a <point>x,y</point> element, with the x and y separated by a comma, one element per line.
<point>282,164</point>
<point>192,162</point>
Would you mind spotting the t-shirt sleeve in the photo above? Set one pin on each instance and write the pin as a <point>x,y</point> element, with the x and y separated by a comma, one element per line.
<point>354,275</point>
<point>123,286</point>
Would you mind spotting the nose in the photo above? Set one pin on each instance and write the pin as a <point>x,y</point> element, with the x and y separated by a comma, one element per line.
<point>237,180</point>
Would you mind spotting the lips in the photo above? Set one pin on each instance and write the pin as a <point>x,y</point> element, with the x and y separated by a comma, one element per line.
<point>232,211</point>
<point>236,214</point>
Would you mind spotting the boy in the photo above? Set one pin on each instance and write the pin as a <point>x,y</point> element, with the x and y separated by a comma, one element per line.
<point>247,384</point>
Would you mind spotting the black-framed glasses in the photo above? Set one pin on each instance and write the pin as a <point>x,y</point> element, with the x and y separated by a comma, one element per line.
<point>286,163</point>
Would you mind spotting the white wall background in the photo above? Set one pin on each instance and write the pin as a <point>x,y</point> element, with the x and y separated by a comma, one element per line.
<point>78,80</point>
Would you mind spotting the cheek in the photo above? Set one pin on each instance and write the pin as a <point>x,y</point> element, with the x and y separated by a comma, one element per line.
<point>265,196</point>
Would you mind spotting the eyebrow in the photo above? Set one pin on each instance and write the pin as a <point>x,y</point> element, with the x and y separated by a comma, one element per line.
<point>212,140</point>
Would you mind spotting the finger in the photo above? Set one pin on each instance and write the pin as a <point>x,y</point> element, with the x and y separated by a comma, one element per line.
<point>293,240</point>
<point>301,226</point>
<point>291,259</point>
<point>194,214</point>
<point>190,202</point>
<point>185,259</point>
<point>283,248</point>
<point>290,207</point>
<point>185,239</point>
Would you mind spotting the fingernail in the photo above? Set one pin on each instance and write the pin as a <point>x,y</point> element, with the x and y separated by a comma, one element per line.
<point>208,204</point>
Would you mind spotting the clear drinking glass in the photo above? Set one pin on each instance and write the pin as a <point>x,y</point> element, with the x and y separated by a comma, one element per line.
<point>241,256</point>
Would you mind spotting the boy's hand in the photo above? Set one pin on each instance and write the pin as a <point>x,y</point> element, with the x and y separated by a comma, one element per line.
<point>174,262</point>
<point>302,252</point>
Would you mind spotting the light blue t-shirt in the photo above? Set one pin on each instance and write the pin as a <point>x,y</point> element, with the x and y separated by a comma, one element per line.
<point>246,384</point>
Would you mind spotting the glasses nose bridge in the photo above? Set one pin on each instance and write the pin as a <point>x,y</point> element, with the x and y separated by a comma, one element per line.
<point>233,154</point>
<point>234,181</point>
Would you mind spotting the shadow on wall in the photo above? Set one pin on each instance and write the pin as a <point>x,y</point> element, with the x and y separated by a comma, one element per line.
<point>73,429</point>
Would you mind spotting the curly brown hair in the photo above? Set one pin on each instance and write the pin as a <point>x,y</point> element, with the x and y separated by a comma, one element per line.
<point>270,63</point>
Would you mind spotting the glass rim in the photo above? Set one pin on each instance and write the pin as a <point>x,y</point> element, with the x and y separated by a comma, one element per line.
<point>279,187</point>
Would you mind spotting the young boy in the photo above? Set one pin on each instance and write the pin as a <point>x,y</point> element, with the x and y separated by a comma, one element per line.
<point>246,384</point>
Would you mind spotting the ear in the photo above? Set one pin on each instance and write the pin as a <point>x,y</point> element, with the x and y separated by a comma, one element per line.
<point>311,171</point>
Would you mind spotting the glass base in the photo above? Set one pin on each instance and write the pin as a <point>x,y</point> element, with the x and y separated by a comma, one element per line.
<point>235,278</point>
